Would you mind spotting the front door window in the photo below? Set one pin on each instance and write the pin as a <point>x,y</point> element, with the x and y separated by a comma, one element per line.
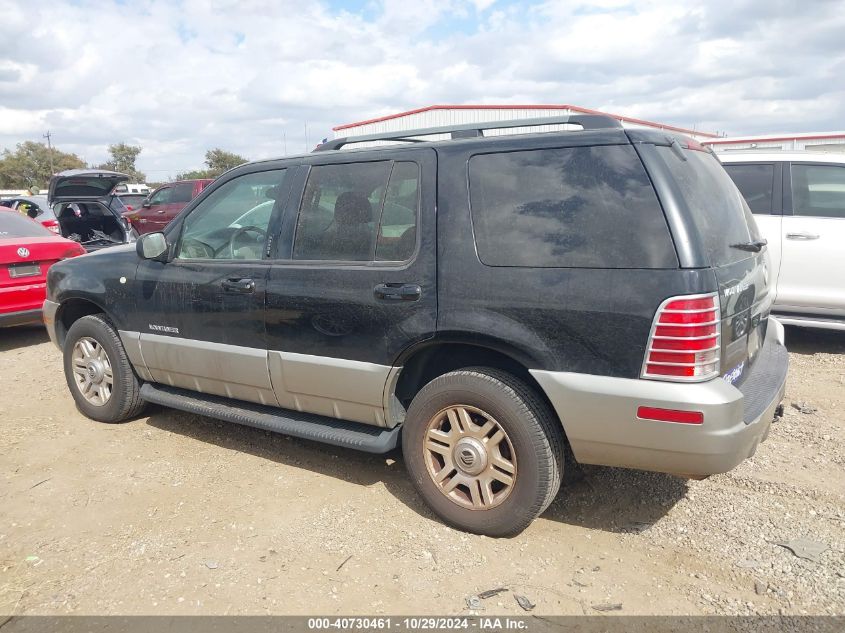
<point>232,222</point>
<point>162,196</point>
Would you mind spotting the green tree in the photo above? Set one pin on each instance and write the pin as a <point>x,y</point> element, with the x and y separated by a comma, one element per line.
<point>218,161</point>
<point>28,167</point>
<point>123,158</point>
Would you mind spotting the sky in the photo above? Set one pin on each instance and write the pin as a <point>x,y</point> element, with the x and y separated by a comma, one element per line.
<point>250,76</point>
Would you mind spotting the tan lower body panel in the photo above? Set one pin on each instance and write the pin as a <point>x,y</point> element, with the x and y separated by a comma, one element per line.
<point>333,387</point>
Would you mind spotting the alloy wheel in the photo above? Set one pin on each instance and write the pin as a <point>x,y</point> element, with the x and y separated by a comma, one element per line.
<point>469,457</point>
<point>92,371</point>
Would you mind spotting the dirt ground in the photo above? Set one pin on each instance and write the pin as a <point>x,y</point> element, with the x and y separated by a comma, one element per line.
<point>178,514</point>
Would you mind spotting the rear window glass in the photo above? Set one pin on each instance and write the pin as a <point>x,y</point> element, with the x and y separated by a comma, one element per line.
<point>718,209</point>
<point>577,207</point>
<point>756,183</point>
<point>13,224</point>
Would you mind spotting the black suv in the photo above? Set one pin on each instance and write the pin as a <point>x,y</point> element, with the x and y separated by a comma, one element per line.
<point>503,304</point>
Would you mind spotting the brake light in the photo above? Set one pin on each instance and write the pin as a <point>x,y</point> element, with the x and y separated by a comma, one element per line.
<point>75,251</point>
<point>695,145</point>
<point>51,225</point>
<point>684,343</point>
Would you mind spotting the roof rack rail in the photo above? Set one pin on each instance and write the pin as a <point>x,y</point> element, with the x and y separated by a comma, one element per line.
<point>473,130</point>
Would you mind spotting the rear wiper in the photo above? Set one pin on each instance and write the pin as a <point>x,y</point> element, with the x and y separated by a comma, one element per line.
<point>754,247</point>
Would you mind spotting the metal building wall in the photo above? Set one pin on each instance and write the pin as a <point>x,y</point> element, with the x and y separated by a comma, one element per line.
<point>821,142</point>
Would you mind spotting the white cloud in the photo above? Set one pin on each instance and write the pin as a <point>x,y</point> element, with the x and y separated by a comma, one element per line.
<point>179,78</point>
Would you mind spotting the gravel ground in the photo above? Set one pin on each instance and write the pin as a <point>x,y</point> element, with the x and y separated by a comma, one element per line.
<point>178,514</point>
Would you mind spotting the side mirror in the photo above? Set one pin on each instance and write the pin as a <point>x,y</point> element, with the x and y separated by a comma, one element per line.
<point>151,246</point>
<point>146,204</point>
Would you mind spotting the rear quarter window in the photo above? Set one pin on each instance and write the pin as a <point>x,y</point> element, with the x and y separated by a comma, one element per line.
<point>578,207</point>
<point>717,208</point>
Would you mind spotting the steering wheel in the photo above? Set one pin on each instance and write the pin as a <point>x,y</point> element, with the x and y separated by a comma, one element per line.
<point>193,248</point>
<point>242,231</point>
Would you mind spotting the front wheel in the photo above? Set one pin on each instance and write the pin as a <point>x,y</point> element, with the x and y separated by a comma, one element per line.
<point>483,450</point>
<point>98,373</point>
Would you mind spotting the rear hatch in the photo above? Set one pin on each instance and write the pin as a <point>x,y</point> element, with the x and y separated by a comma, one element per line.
<point>83,184</point>
<point>733,245</point>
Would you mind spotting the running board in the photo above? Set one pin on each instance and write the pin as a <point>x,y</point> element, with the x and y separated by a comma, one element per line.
<point>362,437</point>
<point>810,321</point>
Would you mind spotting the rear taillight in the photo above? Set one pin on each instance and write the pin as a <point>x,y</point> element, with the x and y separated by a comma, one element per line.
<point>52,225</point>
<point>684,343</point>
<point>74,251</point>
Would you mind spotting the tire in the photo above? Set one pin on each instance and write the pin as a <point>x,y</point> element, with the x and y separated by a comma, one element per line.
<point>533,440</point>
<point>92,351</point>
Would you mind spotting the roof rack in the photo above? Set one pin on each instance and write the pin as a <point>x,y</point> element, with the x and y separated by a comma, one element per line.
<point>474,130</point>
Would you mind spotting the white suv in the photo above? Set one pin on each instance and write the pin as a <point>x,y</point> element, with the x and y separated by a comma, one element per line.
<point>798,201</point>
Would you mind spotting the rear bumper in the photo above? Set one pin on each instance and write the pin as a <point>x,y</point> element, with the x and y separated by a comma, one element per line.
<point>20,318</point>
<point>599,415</point>
<point>50,308</point>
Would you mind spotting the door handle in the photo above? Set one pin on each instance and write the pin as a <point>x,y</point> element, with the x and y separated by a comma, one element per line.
<point>160,211</point>
<point>802,236</point>
<point>241,286</point>
<point>397,292</point>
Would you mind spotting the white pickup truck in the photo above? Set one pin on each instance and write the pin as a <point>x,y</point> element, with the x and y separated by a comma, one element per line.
<point>798,202</point>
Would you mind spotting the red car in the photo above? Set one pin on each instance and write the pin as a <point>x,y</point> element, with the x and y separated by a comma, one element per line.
<point>164,204</point>
<point>27,250</point>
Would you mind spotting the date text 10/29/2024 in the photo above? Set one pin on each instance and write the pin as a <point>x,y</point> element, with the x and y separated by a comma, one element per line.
<point>418,624</point>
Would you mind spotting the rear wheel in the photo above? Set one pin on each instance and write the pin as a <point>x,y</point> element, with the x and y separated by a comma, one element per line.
<point>98,373</point>
<point>483,450</point>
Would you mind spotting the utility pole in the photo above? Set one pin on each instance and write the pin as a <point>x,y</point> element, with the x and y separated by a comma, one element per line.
<point>50,149</point>
<point>306,137</point>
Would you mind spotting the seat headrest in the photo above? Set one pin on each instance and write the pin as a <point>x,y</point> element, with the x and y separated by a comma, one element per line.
<point>352,207</point>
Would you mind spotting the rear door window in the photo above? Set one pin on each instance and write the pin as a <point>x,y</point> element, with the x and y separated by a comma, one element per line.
<point>577,207</point>
<point>718,209</point>
<point>359,212</point>
<point>182,192</point>
<point>818,190</point>
<point>756,183</point>
<point>397,234</point>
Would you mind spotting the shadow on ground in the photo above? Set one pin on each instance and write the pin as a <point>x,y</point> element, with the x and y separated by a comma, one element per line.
<point>22,336</point>
<point>609,499</point>
<point>812,341</point>
<point>617,499</point>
